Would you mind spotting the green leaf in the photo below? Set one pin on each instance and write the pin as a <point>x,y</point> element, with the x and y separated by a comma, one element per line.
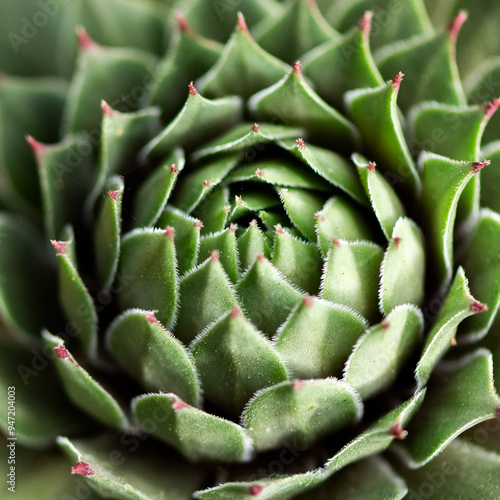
<point>302,411</point>
<point>351,276</point>
<point>490,177</point>
<point>152,355</point>
<point>243,67</point>
<point>213,209</point>
<point>76,301</point>
<point>108,231</point>
<point>458,305</point>
<point>318,337</point>
<point>380,354</point>
<point>128,469</point>
<point>153,194</point>
<point>402,272</point>
<point>443,182</point>
<point>206,293</point>
<point>82,389</point>
<point>196,434</point>
<point>234,361</point>
<point>298,261</point>
<point>299,29</point>
<point>252,243</point>
<point>198,121</point>
<point>292,101</point>
<point>481,264</point>
<point>340,218</point>
<point>461,395</point>
<point>149,268</point>
<point>266,295</point>
<point>342,65</point>
<point>428,61</point>
<point>384,141</point>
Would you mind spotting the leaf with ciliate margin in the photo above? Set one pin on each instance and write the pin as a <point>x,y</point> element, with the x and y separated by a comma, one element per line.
<point>458,305</point>
<point>317,338</point>
<point>152,196</point>
<point>443,182</point>
<point>107,232</point>
<point>342,65</point>
<point>199,120</point>
<point>300,262</point>
<point>194,433</point>
<point>460,395</point>
<point>385,203</point>
<point>429,63</point>
<point>152,355</point>
<point>206,293</point>
<point>294,102</point>
<point>379,355</point>
<point>462,470</point>
<point>187,236</point>
<point>482,265</point>
<point>351,276</point>
<point>342,219</point>
<point>252,243</point>
<point>402,272</point>
<point>129,469</point>
<point>148,271</point>
<point>301,411</point>
<point>243,67</point>
<point>104,73</point>
<point>266,295</point>
<point>375,113</point>
<point>82,389</point>
<point>214,210</point>
<point>76,301</point>
<point>234,361</point>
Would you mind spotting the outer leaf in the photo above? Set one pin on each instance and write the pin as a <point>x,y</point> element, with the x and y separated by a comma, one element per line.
<point>214,208</point>
<point>181,424</point>
<point>152,355</point>
<point>302,410</point>
<point>252,243</point>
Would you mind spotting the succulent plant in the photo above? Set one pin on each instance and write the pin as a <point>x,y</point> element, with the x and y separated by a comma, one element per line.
<point>250,249</point>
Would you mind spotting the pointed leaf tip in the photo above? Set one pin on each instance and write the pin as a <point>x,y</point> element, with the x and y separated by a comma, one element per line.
<point>207,183</point>
<point>178,403</point>
<point>107,110</point>
<point>478,307</point>
<point>214,256</point>
<point>298,384</point>
<point>174,168</point>
<point>260,257</point>
<point>365,23</point>
<point>308,301</point>
<point>259,173</point>
<point>170,233</point>
<point>479,165</point>
<point>59,246</point>
<point>490,108</point>
<point>397,241</point>
<point>84,40</point>
<point>396,81</point>
<point>61,352</point>
<point>371,166</point>
<point>300,144</point>
<point>192,90</point>
<point>37,147</point>
<point>113,194</point>
<point>233,228</point>
<point>236,313</point>
<point>182,23</point>
<point>242,25</point>
<point>456,25</point>
<point>279,229</point>
<point>398,432</point>
<point>320,217</point>
<point>255,490</point>
<point>151,318</point>
<point>297,70</point>
<point>82,469</point>
<point>198,224</point>
<point>336,242</point>
<point>255,127</point>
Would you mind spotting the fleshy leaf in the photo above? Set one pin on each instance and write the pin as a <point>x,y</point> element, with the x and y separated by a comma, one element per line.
<point>459,397</point>
<point>292,101</point>
<point>148,269</point>
<point>381,353</point>
<point>490,178</point>
<point>402,272</point>
<point>214,207</point>
<point>234,361</point>
<point>82,389</point>
<point>318,337</point>
<point>266,295</point>
<point>252,243</point>
<point>302,411</point>
<point>196,434</point>
<point>351,276</point>
<point>458,305</point>
<point>206,294</point>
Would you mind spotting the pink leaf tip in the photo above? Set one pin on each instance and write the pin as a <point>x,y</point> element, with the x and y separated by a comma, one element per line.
<point>170,233</point>
<point>298,384</point>
<point>479,165</point>
<point>297,69</point>
<point>59,246</point>
<point>259,173</point>
<point>260,257</point>
<point>397,241</point>
<point>456,25</point>
<point>214,256</point>
<point>490,108</point>
<point>84,40</point>
<point>385,324</point>
<point>61,352</point>
<point>107,110</point>
<point>398,432</point>
<point>198,224</point>
<point>82,469</point>
<point>396,81</point>
<point>182,23</point>
<point>255,128</point>
<point>178,404</point>
<point>319,217</point>
<point>151,318</point>
<point>242,25</point>
<point>38,148</point>
<point>478,307</point>
<point>255,489</point>
<point>371,166</point>
<point>279,229</point>
<point>233,228</point>
<point>174,168</point>
<point>113,194</point>
<point>192,90</point>
<point>336,242</point>
<point>308,301</point>
<point>235,312</point>
<point>207,183</point>
<point>365,23</point>
<point>301,145</point>
<point>238,200</point>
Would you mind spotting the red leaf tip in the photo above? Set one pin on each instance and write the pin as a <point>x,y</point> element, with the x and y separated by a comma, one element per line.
<point>456,25</point>
<point>297,69</point>
<point>207,183</point>
<point>397,241</point>
<point>214,256</point>
<point>478,307</point>
<point>260,257</point>
<point>82,469</point>
<point>233,228</point>
<point>308,301</point>
<point>242,25</point>
<point>170,233</point>
<point>178,404</point>
<point>151,318</point>
<point>259,173</point>
<point>396,81</point>
<point>336,242</point>
<point>490,108</point>
<point>84,40</point>
<point>301,145</point>
<point>398,432</point>
<point>365,23</point>
<point>298,384</point>
<point>235,312</point>
<point>255,128</point>
<point>279,229</point>
<point>319,217</point>
<point>107,110</point>
<point>479,165</point>
<point>192,90</point>
<point>255,489</point>
<point>198,224</point>
<point>174,168</point>
<point>61,352</point>
<point>371,166</point>
<point>59,246</point>
<point>182,23</point>
<point>113,194</point>
<point>37,147</point>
